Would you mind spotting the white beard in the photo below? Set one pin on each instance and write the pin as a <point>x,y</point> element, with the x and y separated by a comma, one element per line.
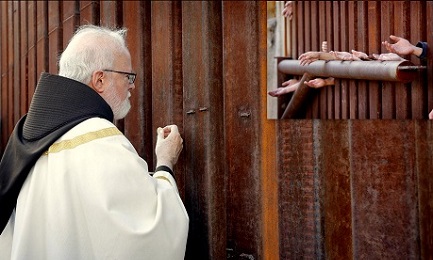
<point>120,108</point>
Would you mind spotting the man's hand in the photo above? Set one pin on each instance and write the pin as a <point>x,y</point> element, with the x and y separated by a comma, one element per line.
<point>388,57</point>
<point>308,57</point>
<point>311,56</point>
<point>319,82</point>
<point>288,10</point>
<point>342,55</point>
<point>288,86</point>
<point>400,47</point>
<point>169,144</point>
<point>359,55</point>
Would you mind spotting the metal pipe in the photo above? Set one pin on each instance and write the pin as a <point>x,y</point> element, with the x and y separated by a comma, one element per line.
<point>294,108</point>
<point>364,70</point>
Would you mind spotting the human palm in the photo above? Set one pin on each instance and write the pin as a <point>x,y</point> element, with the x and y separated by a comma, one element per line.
<point>400,47</point>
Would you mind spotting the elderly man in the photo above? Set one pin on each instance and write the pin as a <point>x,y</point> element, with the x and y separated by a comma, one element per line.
<point>71,185</point>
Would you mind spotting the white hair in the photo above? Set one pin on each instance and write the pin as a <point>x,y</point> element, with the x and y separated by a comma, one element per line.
<point>91,48</point>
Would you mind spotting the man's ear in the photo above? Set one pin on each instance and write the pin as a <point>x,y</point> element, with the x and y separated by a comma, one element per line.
<point>97,81</point>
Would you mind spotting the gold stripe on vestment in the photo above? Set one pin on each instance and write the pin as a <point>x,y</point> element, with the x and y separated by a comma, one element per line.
<point>82,139</point>
<point>163,178</point>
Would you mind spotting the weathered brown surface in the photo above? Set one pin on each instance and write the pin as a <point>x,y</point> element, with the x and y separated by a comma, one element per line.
<point>4,69</point>
<point>70,20</point>
<point>424,182</point>
<point>333,150</point>
<point>138,124</point>
<point>206,184</point>
<point>54,34</point>
<point>23,58</point>
<point>269,223</point>
<point>384,192</point>
<point>298,198</point>
<point>241,124</point>
<point>41,37</point>
<point>256,188</point>
<point>358,190</point>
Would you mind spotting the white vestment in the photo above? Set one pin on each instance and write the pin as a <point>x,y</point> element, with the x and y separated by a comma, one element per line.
<point>91,197</point>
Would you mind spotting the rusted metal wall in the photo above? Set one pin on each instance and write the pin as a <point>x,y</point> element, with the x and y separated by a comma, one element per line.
<point>356,189</point>
<point>254,188</point>
<point>362,26</point>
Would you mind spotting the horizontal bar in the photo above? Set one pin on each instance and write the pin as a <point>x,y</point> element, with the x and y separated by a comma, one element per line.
<point>412,67</point>
<point>362,70</point>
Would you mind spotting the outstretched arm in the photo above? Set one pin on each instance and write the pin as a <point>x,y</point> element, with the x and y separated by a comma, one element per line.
<point>402,46</point>
<point>311,56</point>
<point>288,86</point>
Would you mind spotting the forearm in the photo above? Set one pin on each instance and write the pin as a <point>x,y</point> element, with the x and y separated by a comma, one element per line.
<point>326,56</point>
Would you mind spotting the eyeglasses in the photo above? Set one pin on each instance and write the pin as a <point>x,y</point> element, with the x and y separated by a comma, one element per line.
<point>131,76</point>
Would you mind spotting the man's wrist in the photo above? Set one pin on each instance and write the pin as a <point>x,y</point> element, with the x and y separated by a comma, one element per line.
<point>417,51</point>
<point>420,50</point>
<point>164,161</point>
<point>164,168</point>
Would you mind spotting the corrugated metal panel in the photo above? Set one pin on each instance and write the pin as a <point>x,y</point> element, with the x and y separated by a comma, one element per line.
<point>297,192</point>
<point>138,124</point>
<point>383,190</point>
<point>424,166</point>
<point>16,84</point>
<point>4,93</point>
<point>110,11</point>
<point>54,35</point>
<point>70,19</point>
<point>241,123</point>
<point>269,169</point>
<point>355,189</point>
<point>89,12</point>
<point>429,37</point>
<point>205,181</point>
<point>335,196</point>
<point>10,66</point>
<point>23,20</point>
<point>33,77</point>
<point>164,73</point>
<point>41,37</point>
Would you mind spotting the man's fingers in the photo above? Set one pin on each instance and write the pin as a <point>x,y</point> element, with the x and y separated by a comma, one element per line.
<point>394,38</point>
<point>171,129</point>
<point>303,62</point>
<point>302,56</point>
<point>159,134</point>
<point>166,131</point>
<point>272,93</point>
<point>289,82</point>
